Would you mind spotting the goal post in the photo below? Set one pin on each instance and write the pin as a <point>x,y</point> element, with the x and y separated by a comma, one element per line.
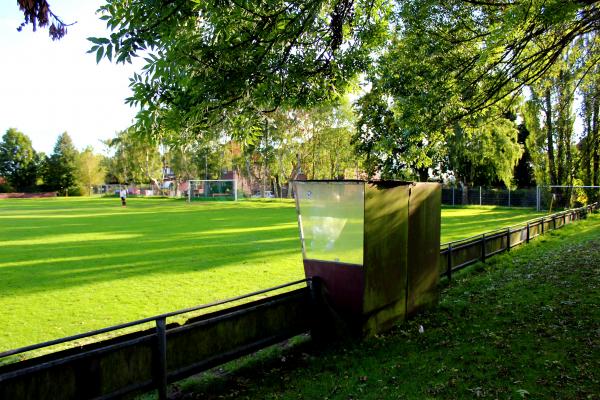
<point>212,189</point>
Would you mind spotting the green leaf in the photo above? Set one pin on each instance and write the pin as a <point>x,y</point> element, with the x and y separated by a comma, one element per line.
<point>99,54</point>
<point>109,50</point>
<point>96,40</point>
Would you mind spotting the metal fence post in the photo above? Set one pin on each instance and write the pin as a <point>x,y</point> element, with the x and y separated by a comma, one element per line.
<point>479,195</point>
<point>507,239</point>
<point>527,241</point>
<point>509,197</point>
<point>449,264</point>
<point>161,378</point>
<point>542,225</point>
<point>483,247</point>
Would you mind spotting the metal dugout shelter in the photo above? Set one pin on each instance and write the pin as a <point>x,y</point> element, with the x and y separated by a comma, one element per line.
<point>373,245</point>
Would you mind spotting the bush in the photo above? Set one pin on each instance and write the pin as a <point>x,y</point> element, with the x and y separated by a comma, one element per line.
<point>74,191</point>
<point>5,188</point>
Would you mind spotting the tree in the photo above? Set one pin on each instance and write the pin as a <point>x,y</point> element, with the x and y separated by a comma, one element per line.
<point>552,103</point>
<point>18,160</point>
<point>215,62</point>
<point>485,154</point>
<point>181,160</point>
<point>316,141</point>
<point>90,170</point>
<point>393,145</point>
<point>590,114</point>
<point>489,50</point>
<point>331,150</point>
<point>536,142</point>
<point>135,160</point>
<point>461,63</point>
<point>550,120</point>
<point>61,167</point>
<point>523,172</point>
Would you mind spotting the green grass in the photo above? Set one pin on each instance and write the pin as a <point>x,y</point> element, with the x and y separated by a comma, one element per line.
<point>462,222</point>
<point>73,265</point>
<point>524,326</point>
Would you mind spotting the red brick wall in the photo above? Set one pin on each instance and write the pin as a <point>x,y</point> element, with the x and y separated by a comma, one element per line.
<point>26,195</point>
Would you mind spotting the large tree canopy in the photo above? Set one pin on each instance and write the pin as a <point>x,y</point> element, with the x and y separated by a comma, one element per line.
<point>61,166</point>
<point>212,62</point>
<point>219,61</point>
<point>18,161</point>
<point>479,53</point>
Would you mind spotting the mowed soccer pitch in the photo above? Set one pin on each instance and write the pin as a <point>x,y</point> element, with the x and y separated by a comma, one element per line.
<point>71,265</point>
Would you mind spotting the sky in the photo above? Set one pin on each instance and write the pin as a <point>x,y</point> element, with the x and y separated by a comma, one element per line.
<point>47,88</point>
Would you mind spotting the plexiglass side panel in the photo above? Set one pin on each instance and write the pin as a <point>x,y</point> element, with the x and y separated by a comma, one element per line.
<point>331,218</point>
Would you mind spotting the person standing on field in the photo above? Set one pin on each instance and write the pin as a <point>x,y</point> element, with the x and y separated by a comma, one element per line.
<point>123,195</point>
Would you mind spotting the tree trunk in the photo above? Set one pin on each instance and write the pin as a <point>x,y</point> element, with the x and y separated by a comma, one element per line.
<point>277,186</point>
<point>423,174</point>
<point>264,179</point>
<point>594,143</point>
<point>314,156</point>
<point>586,154</point>
<point>550,140</point>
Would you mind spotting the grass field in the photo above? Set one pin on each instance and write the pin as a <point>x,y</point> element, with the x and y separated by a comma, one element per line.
<point>73,265</point>
<point>524,326</point>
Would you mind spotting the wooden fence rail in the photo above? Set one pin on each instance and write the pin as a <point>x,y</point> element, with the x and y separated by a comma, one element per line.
<point>462,253</point>
<point>152,358</point>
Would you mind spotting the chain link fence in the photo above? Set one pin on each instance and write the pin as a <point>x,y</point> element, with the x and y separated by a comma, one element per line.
<point>541,197</point>
<point>480,196</point>
<point>140,190</point>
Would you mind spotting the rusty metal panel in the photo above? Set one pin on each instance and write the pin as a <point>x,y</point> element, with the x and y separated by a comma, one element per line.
<point>343,284</point>
<point>385,244</point>
<point>424,224</point>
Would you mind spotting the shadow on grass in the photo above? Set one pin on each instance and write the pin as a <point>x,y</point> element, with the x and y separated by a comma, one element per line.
<point>70,243</point>
<point>100,248</point>
<point>463,225</point>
